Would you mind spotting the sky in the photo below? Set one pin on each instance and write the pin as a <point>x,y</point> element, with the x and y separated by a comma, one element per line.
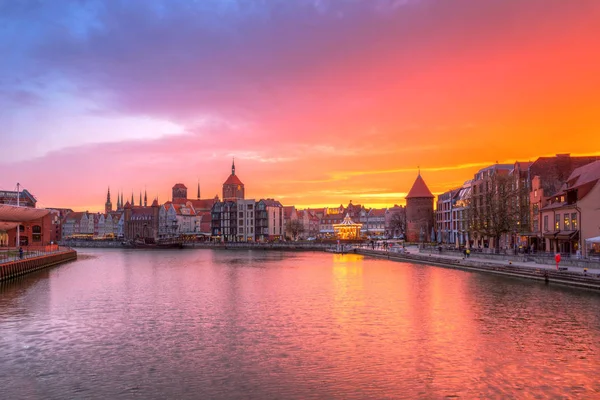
<point>319,101</point>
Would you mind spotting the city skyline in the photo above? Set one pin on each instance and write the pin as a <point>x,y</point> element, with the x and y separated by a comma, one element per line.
<point>320,102</point>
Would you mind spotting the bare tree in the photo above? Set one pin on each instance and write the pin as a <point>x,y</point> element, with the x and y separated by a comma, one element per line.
<point>294,227</point>
<point>490,211</point>
<point>397,223</point>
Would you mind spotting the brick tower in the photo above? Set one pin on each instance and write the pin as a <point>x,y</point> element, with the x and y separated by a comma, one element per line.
<point>419,212</point>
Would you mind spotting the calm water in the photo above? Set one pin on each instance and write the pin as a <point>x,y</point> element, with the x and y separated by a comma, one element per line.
<point>202,324</point>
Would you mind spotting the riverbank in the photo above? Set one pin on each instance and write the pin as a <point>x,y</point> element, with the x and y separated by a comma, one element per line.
<point>571,276</point>
<point>13,269</point>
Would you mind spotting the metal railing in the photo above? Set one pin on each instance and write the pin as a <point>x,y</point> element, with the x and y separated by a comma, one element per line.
<point>11,254</point>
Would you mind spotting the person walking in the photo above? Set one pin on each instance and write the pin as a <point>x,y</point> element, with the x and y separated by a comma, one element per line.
<point>21,253</point>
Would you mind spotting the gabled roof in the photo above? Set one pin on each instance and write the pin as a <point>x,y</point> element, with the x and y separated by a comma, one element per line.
<point>419,189</point>
<point>179,186</point>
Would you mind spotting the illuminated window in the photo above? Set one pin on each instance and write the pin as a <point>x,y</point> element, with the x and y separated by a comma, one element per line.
<point>567,221</point>
<point>556,222</point>
<point>574,221</point>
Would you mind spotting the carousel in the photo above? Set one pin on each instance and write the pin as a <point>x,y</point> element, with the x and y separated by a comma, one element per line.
<point>347,230</point>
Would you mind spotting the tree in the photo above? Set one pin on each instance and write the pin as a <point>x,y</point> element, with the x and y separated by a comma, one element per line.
<point>294,227</point>
<point>397,224</point>
<point>490,211</point>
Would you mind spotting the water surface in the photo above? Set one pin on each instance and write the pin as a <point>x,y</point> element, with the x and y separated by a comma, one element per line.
<point>207,324</point>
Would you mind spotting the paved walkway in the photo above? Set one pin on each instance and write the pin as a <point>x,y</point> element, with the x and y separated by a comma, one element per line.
<point>533,265</point>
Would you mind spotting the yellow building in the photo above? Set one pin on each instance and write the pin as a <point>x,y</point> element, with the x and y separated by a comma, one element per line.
<point>347,229</point>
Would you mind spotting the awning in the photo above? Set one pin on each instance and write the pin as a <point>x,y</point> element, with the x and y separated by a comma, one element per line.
<point>10,213</point>
<point>593,240</point>
<point>7,226</point>
<point>567,235</point>
<point>529,234</point>
<point>551,235</point>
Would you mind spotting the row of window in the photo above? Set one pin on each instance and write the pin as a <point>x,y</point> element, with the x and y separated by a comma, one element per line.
<point>569,222</point>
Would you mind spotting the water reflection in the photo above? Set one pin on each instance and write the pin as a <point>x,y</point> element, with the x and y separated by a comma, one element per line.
<point>262,324</point>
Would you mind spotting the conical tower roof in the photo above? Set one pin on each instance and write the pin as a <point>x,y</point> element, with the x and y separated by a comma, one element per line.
<point>419,189</point>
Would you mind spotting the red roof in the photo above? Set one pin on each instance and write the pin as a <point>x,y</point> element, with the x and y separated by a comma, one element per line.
<point>233,180</point>
<point>419,189</point>
<point>179,186</point>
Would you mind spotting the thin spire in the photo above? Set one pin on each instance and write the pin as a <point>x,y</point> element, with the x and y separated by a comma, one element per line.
<point>132,202</point>
<point>145,198</point>
<point>233,166</point>
<point>108,195</point>
<point>198,190</point>
<point>140,197</point>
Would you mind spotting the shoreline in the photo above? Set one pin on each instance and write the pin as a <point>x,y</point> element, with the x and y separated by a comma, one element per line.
<point>538,272</point>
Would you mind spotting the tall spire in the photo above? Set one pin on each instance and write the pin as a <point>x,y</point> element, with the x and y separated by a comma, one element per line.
<point>108,205</point>
<point>118,200</point>
<point>198,197</point>
<point>132,202</point>
<point>140,197</point>
<point>145,198</point>
<point>122,203</point>
<point>233,167</point>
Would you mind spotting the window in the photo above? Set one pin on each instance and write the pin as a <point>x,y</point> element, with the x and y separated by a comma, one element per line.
<point>573,221</point>
<point>536,209</point>
<point>241,222</point>
<point>556,222</point>
<point>566,222</point>
<point>545,223</point>
<point>536,225</point>
<point>241,214</point>
<point>535,193</point>
<point>250,206</point>
<point>36,233</point>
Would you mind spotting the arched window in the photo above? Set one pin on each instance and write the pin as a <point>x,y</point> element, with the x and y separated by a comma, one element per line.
<point>36,233</point>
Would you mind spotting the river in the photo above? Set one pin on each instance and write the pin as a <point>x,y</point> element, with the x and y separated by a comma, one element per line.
<point>219,324</point>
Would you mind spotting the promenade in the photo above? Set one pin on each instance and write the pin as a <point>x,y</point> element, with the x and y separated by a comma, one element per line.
<point>571,275</point>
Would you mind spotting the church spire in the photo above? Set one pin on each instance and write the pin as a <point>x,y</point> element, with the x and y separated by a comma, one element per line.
<point>145,198</point>
<point>140,197</point>
<point>198,197</point>
<point>233,167</point>
<point>108,205</point>
<point>132,202</point>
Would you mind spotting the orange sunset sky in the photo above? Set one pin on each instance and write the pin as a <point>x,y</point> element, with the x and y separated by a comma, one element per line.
<point>320,102</point>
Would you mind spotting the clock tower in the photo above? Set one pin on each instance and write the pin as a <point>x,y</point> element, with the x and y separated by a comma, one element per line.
<point>233,188</point>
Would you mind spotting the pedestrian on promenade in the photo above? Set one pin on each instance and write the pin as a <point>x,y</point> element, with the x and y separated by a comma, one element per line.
<point>468,253</point>
<point>21,253</point>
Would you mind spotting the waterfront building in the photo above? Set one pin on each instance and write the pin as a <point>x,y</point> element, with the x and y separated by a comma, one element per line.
<point>246,220</point>
<point>269,220</point>
<point>461,212</point>
<point>572,215</point>
<point>224,221</point>
<point>547,175</point>
<point>374,220</point>
<point>419,211</point>
<point>446,217</point>
<point>141,222</point>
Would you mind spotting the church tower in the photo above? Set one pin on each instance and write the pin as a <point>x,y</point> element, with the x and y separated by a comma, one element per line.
<point>145,198</point>
<point>233,188</point>
<point>108,204</point>
<point>419,211</point>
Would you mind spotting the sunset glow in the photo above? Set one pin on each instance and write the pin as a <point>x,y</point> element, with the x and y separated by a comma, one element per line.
<point>320,102</point>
